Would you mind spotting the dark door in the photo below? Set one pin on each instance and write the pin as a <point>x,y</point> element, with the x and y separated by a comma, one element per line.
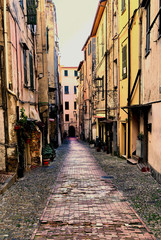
<point>71,131</point>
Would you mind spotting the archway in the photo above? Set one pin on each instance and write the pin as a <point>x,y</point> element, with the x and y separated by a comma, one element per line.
<point>71,131</point>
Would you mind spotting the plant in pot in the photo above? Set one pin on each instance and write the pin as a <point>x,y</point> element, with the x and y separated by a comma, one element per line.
<point>48,154</point>
<point>91,143</point>
<point>24,130</point>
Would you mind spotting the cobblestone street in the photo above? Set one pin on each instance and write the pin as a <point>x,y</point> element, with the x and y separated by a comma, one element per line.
<point>86,205</point>
<point>83,203</point>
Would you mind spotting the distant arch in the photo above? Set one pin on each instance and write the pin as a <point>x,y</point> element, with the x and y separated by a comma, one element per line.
<point>71,131</point>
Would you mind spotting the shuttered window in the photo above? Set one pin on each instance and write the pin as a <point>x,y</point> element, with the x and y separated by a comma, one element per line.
<point>31,71</point>
<point>123,5</point>
<point>25,67</point>
<point>124,62</point>
<point>147,27</point>
<point>66,105</point>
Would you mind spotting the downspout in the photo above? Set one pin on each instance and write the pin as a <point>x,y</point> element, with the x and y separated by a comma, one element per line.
<point>6,81</point>
<point>129,76</point>
<point>106,83</point>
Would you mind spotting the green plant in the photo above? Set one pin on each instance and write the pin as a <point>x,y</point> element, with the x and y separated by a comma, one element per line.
<point>140,136</point>
<point>91,142</point>
<point>48,152</point>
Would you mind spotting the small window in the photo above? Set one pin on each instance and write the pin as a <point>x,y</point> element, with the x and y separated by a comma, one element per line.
<point>124,62</point>
<point>75,90</point>
<point>66,73</point>
<point>66,105</point>
<point>147,27</point>
<point>75,73</point>
<point>66,89</point>
<point>85,55</point>
<point>67,117</point>
<point>75,105</point>
<point>123,5</point>
<point>21,4</point>
<point>25,67</point>
<point>97,50</point>
<point>103,87</point>
<point>89,48</point>
<point>31,71</point>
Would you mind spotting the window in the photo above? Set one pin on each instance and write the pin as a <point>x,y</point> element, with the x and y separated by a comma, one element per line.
<point>47,39</point>
<point>25,67</point>
<point>66,73</point>
<point>123,5</point>
<point>31,71</point>
<point>21,3</point>
<point>66,105</point>
<point>75,90</point>
<point>75,73</point>
<point>124,62</point>
<point>97,50</point>
<point>89,48</point>
<point>147,27</point>
<point>75,105</point>
<point>66,89</point>
<point>85,55</point>
<point>67,117</point>
<point>102,40</point>
<point>103,87</point>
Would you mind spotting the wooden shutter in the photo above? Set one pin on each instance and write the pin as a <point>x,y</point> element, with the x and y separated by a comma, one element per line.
<point>124,62</point>
<point>31,71</point>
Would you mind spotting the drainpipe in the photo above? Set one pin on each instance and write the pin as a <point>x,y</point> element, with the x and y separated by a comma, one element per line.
<point>106,83</point>
<point>129,76</point>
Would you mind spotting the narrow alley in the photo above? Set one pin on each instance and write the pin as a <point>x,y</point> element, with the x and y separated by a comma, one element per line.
<point>85,204</point>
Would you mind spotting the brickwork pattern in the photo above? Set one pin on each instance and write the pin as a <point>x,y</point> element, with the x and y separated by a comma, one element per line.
<point>86,205</point>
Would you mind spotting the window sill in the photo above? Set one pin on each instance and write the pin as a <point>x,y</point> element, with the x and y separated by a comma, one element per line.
<point>147,53</point>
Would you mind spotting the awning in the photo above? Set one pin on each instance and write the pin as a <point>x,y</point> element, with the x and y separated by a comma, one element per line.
<point>34,114</point>
<point>107,121</point>
<point>138,106</point>
<point>51,120</point>
<point>99,117</point>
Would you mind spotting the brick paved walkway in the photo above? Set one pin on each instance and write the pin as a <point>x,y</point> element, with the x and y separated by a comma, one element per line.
<point>86,205</point>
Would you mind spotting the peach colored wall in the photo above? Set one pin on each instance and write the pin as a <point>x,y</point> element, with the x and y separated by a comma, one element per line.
<point>70,81</point>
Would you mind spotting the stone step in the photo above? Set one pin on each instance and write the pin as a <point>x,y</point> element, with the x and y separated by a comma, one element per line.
<point>135,157</point>
<point>132,161</point>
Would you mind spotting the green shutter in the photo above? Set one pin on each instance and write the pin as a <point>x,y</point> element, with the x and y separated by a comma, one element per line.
<point>124,62</point>
<point>25,67</point>
<point>31,71</point>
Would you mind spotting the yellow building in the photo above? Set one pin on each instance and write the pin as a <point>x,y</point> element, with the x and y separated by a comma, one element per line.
<point>104,30</point>
<point>129,75</point>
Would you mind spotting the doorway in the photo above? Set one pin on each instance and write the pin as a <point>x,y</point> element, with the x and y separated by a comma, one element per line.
<point>71,131</point>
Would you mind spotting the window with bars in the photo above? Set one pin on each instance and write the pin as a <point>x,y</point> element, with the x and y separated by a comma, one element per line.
<point>66,105</point>
<point>25,67</point>
<point>31,71</point>
<point>147,49</point>
<point>124,62</point>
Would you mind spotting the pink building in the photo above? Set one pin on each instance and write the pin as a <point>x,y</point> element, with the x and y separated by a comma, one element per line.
<point>68,79</point>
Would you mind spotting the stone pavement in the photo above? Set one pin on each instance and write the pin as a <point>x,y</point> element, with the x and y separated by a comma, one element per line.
<point>85,204</point>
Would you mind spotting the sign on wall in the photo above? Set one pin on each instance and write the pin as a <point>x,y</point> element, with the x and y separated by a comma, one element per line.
<point>31,12</point>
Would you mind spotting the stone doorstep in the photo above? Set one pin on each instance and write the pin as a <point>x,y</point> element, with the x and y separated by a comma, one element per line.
<point>10,180</point>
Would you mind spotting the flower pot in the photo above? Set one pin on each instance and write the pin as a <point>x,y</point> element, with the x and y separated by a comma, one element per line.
<point>46,162</point>
<point>98,149</point>
<point>28,141</point>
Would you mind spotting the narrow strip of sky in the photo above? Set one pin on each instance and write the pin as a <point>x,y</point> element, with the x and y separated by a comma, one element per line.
<point>75,19</point>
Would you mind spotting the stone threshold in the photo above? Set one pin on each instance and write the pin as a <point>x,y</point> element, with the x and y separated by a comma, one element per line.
<point>8,180</point>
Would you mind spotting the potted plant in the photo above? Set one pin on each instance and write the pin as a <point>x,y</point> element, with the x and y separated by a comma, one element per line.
<point>48,154</point>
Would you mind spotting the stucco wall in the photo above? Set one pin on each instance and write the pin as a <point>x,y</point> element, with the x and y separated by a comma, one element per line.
<point>154,141</point>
